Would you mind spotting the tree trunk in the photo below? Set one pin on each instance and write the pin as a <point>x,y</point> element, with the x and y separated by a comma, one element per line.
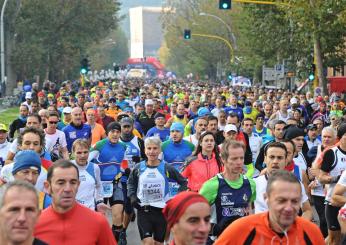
<point>11,81</point>
<point>322,82</point>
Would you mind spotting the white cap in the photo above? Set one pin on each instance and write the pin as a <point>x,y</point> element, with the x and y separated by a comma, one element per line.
<point>149,102</point>
<point>230,127</point>
<point>67,110</point>
<point>294,101</point>
<point>28,95</point>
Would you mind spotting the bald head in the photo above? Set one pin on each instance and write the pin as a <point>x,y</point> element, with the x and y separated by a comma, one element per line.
<point>76,116</point>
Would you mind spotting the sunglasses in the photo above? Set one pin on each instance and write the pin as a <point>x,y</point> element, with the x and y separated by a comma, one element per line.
<point>53,122</point>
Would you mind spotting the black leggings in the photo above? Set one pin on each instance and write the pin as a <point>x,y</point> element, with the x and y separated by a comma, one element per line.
<point>320,208</point>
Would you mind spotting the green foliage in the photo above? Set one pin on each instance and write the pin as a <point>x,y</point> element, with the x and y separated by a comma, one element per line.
<point>53,35</point>
<point>266,34</point>
<point>112,49</point>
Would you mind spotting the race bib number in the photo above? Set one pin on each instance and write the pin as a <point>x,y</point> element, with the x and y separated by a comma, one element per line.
<point>73,135</point>
<point>107,188</point>
<point>152,193</point>
<point>173,189</point>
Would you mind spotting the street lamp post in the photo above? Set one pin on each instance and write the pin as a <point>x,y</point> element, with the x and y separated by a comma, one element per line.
<point>2,40</point>
<point>223,22</point>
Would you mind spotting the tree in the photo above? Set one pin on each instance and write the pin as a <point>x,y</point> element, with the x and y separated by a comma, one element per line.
<point>52,36</point>
<point>112,49</point>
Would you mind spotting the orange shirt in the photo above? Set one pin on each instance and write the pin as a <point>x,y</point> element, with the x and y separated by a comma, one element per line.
<point>113,113</point>
<point>97,134</point>
<point>255,229</point>
<point>80,225</point>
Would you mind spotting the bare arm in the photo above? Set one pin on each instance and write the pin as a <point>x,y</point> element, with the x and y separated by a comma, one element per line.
<point>307,211</point>
<point>10,157</point>
<point>324,178</point>
<point>64,153</point>
<point>338,198</point>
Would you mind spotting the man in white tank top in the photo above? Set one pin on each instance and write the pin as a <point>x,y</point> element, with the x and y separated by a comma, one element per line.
<point>333,165</point>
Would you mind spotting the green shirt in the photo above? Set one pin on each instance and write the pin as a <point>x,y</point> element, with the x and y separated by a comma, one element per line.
<point>210,188</point>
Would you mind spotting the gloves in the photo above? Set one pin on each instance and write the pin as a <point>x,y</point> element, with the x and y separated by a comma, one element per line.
<point>134,202</point>
<point>136,159</point>
<point>127,172</point>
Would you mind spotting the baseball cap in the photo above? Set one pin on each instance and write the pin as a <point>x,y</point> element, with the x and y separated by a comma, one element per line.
<point>292,132</point>
<point>248,103</point>
<point>3,127</point>
<point>149,102</point>
<point>126,121</point>
<point>113,126</point>
<point>26,159</point>
<point>158,115</point>
<point>177,126</point>
<point>203,112</point>
<point>112,99</point>
<point>128,109</point>
<point>40,94</point>
<point>230,127</point>
<point>67,110</point>
<point>294,100</point>
<point>28,95</point>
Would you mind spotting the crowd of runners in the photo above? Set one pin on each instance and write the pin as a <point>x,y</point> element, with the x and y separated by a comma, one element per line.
<point>191,162</point>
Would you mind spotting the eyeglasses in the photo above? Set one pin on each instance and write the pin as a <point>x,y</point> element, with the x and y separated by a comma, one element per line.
<point>53,122</point>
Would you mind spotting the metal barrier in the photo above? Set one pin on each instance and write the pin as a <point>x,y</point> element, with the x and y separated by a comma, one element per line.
<point>9,101</point>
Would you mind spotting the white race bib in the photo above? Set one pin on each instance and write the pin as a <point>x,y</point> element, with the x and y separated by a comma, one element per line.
<point>152,193</point>
<point>107,188</point>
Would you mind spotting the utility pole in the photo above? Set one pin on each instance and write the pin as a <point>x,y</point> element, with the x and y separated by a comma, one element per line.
<point>2,40</point>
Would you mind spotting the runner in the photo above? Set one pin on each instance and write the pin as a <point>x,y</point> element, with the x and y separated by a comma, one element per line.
<point>56,144</point>
<point>133,155</point>
<point>17,227</point>
<point>333,164</point>
<point>230,193</point>
<point>90,192</point>
<point>280,225</point>
<point>276,159</point>
<point>66,221</point>
<point>188,219</point>
<point>4,144</point>
<point>30,139</point>
<point>76,129</point>
<point>148,190</point>
<point>204,164</point>
<point>109,153</point>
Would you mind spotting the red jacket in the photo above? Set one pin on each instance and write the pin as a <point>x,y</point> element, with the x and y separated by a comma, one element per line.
<point>199,171</point>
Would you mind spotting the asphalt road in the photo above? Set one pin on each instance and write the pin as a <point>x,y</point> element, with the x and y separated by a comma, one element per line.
<point>132,233</point>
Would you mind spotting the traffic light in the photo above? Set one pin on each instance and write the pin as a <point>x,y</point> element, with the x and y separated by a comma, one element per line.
<point>225,4</point>
<point>84,66</point>
<point>187,34</point>
<point>312,72</point>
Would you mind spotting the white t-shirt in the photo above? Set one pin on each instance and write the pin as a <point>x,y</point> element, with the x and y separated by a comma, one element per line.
<point>90,188</point>
<point>255,145</point>
<point>192,139</point>
<point>54,141</point>
<point>14,146</point>
<point>4,148</point>
<point>6,176</point>
<point>342,180</point>
<point>300,161</point>
<point>261,185</point>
